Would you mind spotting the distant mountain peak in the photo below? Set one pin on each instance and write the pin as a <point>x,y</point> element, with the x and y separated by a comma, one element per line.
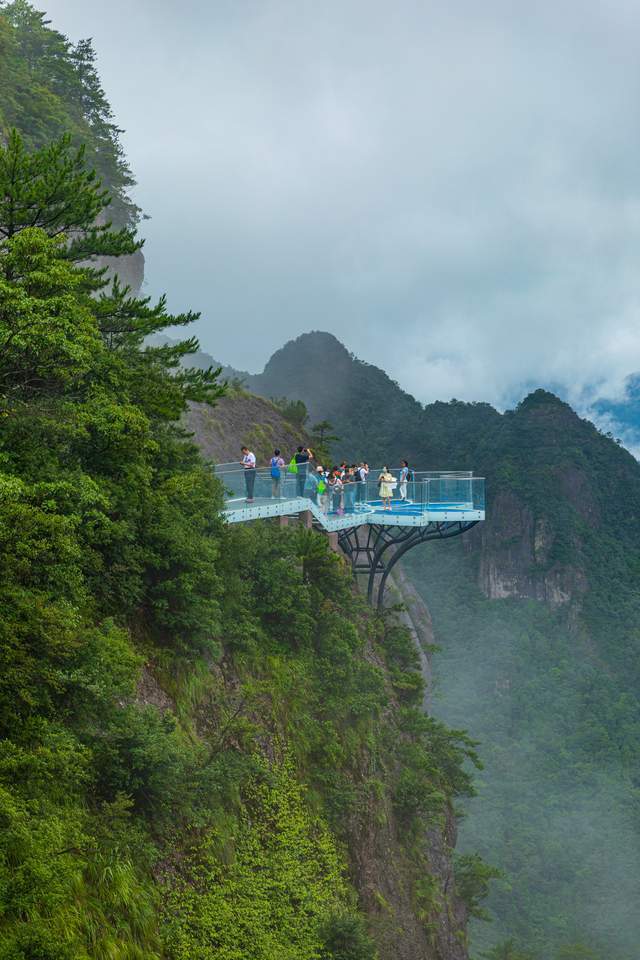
<point>317,346</point>
<point>539,397</point>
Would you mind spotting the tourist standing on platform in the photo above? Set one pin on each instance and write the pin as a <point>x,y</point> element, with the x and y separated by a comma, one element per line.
<point>277,465</point>
<point>403,478</point>
<point>350,490</point>
<point>363,473</point>
<point>249,466</point>
<point>386,484</point>
<point>336,487</point>
<point>302,462</point>
<point>312,485</point>
<point>321,488</point>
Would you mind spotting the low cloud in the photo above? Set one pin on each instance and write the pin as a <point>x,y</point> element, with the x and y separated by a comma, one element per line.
<point>451,190</point>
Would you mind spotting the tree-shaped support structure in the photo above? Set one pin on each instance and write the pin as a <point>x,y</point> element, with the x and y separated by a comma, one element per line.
<point>375,549</point>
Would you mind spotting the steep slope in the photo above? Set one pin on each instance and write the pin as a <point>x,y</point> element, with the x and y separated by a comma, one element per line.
<point>242,419</point>
<point>538,615</point>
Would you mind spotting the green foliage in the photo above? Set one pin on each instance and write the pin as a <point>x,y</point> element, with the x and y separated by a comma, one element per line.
<point>507,950</point>
<point>53,190</point>
<point>473,877</point>
<point>267,895</point>
<point>548,686</point>
<point>108,524</point>
<point>577,951</point>
<point>323,441</point>
<point>557,734</point>
<point>344,937</point>
<point>294,411</point>
<point>49,87</point>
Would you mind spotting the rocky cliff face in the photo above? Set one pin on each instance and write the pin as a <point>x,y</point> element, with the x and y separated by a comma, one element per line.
<point>129,270</point>
<point>445,938</point>
<point>515,557</point>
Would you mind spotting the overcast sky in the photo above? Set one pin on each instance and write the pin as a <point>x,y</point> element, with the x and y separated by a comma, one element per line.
<point>453,189</point>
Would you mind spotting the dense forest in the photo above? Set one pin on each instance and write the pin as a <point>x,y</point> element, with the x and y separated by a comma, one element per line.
<point>50,87</point>
<point>536,617</point>
<point>209,747</point>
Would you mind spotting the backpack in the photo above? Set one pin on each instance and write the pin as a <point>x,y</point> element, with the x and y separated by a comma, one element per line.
<point>410,475</point>
<point>293,466</point>
<point>275,469</point>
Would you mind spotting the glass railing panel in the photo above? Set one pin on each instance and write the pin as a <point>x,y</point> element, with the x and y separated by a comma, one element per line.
<point>421,489</point>
<point>234,484</point>
<point>456,493</point>
<point>346,498</point>
<point>451,491</point>
<point>478,493</point>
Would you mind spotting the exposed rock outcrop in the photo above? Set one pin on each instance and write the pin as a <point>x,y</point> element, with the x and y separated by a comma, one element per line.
<point>238,419</point>
<point>516,556</point>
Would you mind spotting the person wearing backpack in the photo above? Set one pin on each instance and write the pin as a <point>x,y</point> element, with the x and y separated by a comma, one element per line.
<point>277,465</point>
<point>322,489</point>
<point>335,490</point>
<point>301,461</point>
<point>350,489</point>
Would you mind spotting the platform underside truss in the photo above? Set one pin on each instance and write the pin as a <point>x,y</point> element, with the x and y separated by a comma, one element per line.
<point>375,549</point>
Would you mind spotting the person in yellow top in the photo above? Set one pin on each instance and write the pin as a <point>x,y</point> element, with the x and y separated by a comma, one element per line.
<point>386,485</point>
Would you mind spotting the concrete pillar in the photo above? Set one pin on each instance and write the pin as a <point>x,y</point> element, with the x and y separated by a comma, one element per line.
<point>283,521</point>
<point>306,519</point>
<point>332,537</point>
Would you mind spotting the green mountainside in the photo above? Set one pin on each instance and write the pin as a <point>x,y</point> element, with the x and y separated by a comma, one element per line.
<point>537,616</point>
<point>210,748</point>
<point>50,87</point>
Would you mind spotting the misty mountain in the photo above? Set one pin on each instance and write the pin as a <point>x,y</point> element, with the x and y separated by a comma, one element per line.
<point>538,616</point>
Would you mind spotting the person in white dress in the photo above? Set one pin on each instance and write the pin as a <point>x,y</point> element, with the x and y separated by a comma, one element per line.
<point>386,483</point>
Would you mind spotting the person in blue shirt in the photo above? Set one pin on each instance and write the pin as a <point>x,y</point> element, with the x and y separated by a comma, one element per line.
<point>277,465</point>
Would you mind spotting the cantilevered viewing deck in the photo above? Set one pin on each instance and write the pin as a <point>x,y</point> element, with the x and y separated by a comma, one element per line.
<point>373,535</point>
<point>431,497</point>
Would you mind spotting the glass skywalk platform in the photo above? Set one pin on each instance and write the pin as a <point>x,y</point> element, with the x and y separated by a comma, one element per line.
<point>431,497</point>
